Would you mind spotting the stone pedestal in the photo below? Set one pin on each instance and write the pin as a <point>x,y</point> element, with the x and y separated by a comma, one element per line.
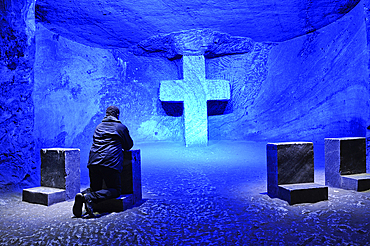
<point>131,185</point>
<point>345,163</point>
<point>131,174</point>
<point>44,195</point>
<point>290,173</point>
<point>60,177</point>
<point>368,149</point>
<point>118,204</point>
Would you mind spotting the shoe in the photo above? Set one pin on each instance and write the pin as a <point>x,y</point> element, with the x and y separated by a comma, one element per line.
<point>89,207</point>
<point>77,206</point>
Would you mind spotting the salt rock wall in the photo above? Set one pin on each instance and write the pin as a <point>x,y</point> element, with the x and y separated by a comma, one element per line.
<point>17,146</point>
<point>366,4</point>
<point>304,89</point>
<point>74,84</point>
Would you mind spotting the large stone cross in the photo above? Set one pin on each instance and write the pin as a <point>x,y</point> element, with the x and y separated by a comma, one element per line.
<point>194,91</point>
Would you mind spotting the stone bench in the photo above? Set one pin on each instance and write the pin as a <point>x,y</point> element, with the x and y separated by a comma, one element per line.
<point>290,173</point>
<point>60,177</point>
<point>345,163</point>
<point>60,180</point>
<point>131,185</point>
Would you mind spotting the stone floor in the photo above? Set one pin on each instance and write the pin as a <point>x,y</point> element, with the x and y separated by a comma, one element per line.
<point>214,195</point>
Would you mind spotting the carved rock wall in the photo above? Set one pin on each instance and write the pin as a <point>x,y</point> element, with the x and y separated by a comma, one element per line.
<point>74,84</point>
<point>304,89</point>
<point>320,83</point>
<point>17,54</point>
<point>366,4</point>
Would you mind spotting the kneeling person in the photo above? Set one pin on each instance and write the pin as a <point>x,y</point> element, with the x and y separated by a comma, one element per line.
<point>110,138</point>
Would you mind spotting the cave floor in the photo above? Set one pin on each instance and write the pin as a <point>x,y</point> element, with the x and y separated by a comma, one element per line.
<point>214,195</point>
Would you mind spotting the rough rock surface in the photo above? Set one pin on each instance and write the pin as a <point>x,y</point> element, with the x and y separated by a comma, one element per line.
<point>289,163</point>
<point>121,23</point>
<point>305,89</point>
<point>17,56</point>
<point>193,42</point>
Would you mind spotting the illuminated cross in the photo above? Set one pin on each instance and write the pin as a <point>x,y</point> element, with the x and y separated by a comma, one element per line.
<point>194,91</point>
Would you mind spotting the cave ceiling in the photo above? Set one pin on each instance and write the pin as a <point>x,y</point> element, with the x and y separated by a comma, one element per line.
<point>120,24</point>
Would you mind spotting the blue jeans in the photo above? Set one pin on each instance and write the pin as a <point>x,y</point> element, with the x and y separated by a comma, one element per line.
<point>112,180</point>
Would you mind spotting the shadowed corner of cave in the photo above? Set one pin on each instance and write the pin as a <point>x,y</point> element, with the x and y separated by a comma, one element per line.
<point>214,107</point>
<point>218,107</point>
<point>175,109</point>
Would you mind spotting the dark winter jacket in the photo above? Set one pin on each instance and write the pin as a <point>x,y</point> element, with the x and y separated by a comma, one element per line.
<point>110,138</point>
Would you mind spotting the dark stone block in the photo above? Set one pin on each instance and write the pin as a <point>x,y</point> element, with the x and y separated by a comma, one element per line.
<point>289,163</point>
<point>296,163</point>
<point>60,177</point>
<point>44,195</point>
<point>290,173</point>
<point>53,168</point>
<point>303,193</point>
<point>345,163</point>
<point>130,178</point>
<point>358,182</point>
<point>368,150</point>
<point>118,204</point>
<point>131,174</point>
<point>60,168</point>
<point>352,156</point>
<point>272,170</point>
<point>332,163</point>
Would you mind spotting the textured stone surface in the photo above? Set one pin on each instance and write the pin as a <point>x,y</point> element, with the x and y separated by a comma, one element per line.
<point>272,170</point>
<point>352,156</point>
<point>295,163</point>
<point>303,193</point>
<point>366,4</point>
<point>194,91</point>
<point>332,163</point>
<point>193,43</point>
<point>122,23</point>
<point>319,90</point>
<point>368,151</point>
<point>43,195</point>
<point>60,168</point>
<point>290,173</point>
<point>346,156</point>
<point>131,175</point>
<point>289,163</point>
<point>357,182</point>
<point>131,189</point>
<point>18,166</point>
